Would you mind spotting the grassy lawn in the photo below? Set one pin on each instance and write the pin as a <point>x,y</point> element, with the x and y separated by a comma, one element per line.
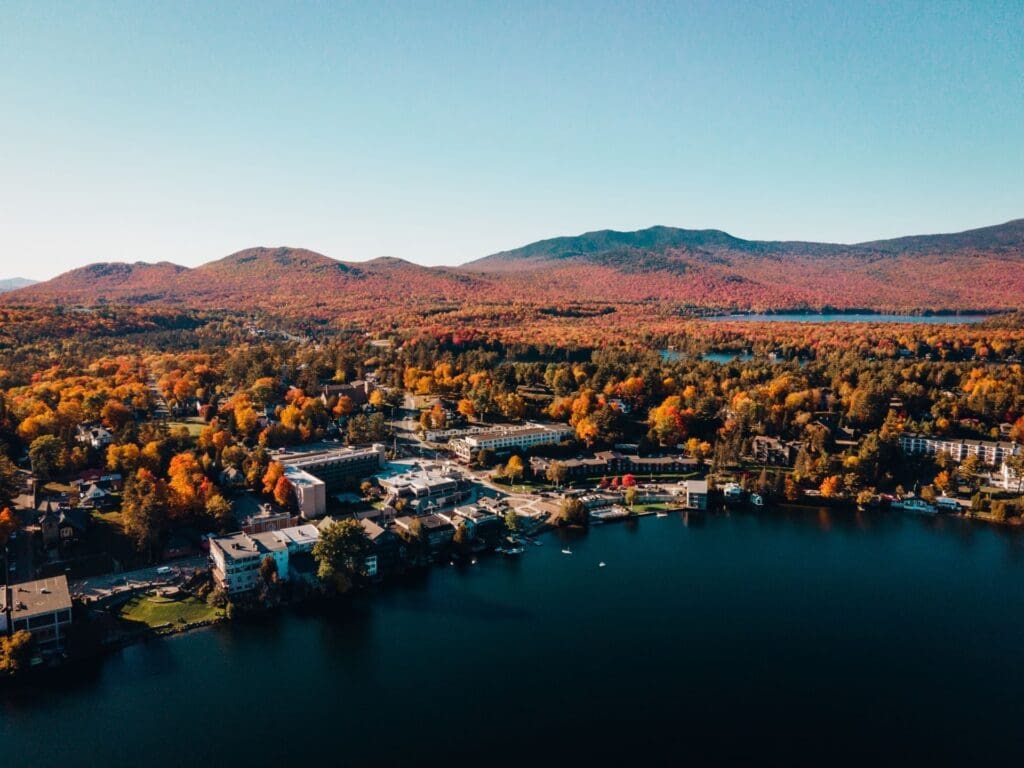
<point>657,506</point>
<point>154,611</point>
<point>194,426</point>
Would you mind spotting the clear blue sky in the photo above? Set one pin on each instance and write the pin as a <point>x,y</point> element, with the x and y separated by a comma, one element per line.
<point>440,132</point>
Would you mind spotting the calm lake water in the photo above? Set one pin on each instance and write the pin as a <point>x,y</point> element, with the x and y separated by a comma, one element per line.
<point>782,638</point>
<point>797,317</point>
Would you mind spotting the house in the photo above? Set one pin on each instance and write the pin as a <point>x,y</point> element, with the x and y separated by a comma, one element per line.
<point>434,530</point>
<point>95,436</point>
<point>771,450</point>
<point>95,497</point>
<point>61,525</point>
<point>481,523</point>
<point>41,607</point>
<point>232,478</point>
<point>505,441</point>
<point>357,391</point>
<point>236,558</point>
<point>387,550</point>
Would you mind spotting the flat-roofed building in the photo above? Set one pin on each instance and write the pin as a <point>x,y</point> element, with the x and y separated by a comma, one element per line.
<point>424,489</point>
<point>236,557</point>
<point>506,441</point>
<point>989,451</point>
<point>338,467</point>
<point>615,463</point>
<point>42,607</point>
<point>310,492</point>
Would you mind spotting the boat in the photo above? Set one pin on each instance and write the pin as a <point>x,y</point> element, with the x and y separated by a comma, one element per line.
<point>515,550</point>
<point>916,505</point>
<point>601,564</point>
<point>661,513</point>
<point>757,500</point>
<point>566,551</point>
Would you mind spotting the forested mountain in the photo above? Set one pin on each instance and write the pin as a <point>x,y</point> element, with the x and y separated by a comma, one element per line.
<point>980,269</point>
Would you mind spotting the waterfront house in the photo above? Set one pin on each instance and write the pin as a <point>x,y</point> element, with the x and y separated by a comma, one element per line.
<point>433,530</point>
<point>386,550</point>
<point>236,558</point>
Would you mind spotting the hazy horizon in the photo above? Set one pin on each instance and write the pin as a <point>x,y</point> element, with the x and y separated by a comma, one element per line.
<point>187,132</point>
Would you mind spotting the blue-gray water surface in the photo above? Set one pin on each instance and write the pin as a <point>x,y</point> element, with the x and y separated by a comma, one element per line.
<point>785,638</point>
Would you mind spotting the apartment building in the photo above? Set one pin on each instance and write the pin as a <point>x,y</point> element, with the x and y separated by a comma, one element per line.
<point>41,607</point>
<point>989,451</point>
<point>505,441</point>
<point>236,557</point>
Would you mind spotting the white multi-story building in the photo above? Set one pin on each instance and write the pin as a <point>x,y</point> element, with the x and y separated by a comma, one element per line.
<point>41,607</point>
<point>990,452</point>
<point>310,492</point>
<point>237,557</point>
<point>505,441</point>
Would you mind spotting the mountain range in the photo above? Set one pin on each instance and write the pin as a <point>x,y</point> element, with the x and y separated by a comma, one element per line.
<point>14,283</point>
<point>980,269</point>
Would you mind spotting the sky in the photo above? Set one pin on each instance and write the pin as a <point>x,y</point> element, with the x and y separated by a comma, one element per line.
<point>442,132</point>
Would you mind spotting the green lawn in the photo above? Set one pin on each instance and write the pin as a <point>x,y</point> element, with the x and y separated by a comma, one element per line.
<point>155,611</point>
<point>657,506</point>
<point>194,426</point>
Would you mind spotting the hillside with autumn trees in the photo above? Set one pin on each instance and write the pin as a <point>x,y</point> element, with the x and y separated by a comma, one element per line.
<point>649,273</point>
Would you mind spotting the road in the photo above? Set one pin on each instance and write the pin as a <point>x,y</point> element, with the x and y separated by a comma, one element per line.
<point>98,587</point>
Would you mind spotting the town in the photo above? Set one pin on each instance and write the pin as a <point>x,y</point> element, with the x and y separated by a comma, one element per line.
<point>154,496</point>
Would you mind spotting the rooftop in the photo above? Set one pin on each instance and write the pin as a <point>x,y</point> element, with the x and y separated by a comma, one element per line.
<point>36,598</point>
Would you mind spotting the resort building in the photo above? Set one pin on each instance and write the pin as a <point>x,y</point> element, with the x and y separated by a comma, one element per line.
<point>338,467</point>
<point>236,558</point>
<point>41,607</point>
<point>424,490</point>
<point>990,452</point>
<point>505,441</point>
<point>607,463</point>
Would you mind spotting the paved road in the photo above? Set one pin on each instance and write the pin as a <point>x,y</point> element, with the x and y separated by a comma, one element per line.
<point>98,587</point>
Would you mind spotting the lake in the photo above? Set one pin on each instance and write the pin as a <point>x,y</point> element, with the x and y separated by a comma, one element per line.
<point>790,637</point>
<point>841,317</point>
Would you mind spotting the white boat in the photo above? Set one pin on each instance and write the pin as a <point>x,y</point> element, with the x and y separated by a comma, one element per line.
<point>662,513</point>
<point>920,506</point>
<point>757,500</point>
<point>566,551</point>
<point>515,550</point>
<point>601,564</point>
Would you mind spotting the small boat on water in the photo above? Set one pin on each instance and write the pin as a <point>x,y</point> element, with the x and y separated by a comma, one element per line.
<point>566,551</point>
<point>601,564</point>
<point>756,500</point>
<point>515,550</point>
<point>661,513</point>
